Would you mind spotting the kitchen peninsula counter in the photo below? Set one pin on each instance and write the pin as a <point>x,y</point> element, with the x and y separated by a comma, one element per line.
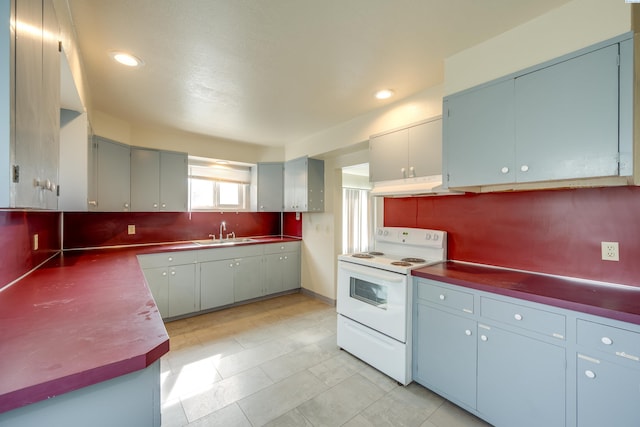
<point>618,302</point>
<point>82,318</point>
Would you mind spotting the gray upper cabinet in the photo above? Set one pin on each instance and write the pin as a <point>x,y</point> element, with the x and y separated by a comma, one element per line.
<point>565,119</point>
<point>158,180</point>
<point>270,187</point>
<point>109,190</point>
<point>30,94</point>
<point>304,185</point>
<point>478,136</point>
<point>410,152</point>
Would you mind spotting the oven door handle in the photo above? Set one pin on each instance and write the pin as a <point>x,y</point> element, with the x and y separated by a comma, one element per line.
<point>373,273</point>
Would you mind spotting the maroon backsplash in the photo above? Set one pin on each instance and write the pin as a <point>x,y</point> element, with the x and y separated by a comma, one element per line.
<point>94,229</point>
<point>291,226</point>
<point>16,241</point>
<point>554,231</point>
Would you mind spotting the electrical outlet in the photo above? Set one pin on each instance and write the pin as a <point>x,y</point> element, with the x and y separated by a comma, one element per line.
<point>131,229</point>
<point>35,242</point>
<point>610,251</point>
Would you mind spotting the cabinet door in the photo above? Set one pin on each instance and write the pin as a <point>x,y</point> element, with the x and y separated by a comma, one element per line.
<point>313,192</point>
<point>608,394</point>
<point>158,281</point>
<point>388,156</point>
<point>567,119</point>
<point>49,151</point>
<point>479,136</point>
<point>216,283</point>
<point>113,176</point>
<point>425,149</point>
<point>273,273</point>
<point>145,172</point>
<point>291,271</point>
<point>28,99</point>
<point>521,381</point>
<point>445,354</point>
<point>173,181</point>
<point>295,184</point>
<point>270,187</point>
<point>247,280</point>
<point>182,290</point>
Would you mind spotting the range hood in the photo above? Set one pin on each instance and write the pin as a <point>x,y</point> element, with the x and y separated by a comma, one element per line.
<point>426,185</point>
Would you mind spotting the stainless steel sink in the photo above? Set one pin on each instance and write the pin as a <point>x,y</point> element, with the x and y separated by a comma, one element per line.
<point>223,242</point>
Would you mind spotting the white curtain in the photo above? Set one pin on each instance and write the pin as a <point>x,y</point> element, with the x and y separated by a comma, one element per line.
<point>355,220</point>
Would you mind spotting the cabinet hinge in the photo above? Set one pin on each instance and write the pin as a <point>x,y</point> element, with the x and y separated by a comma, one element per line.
<point>448,112</point>
<point>15,174</point>
<point>59,45</point>
<point>58,190</point>
<point>618,60</point>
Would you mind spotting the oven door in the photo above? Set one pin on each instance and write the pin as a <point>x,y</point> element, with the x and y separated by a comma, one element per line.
<point>373,297</point>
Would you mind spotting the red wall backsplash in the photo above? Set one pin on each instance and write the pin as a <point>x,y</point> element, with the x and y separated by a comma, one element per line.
<point>17,229</point>
<point>290,225</point>
<point>94,229</point>
<point>555,232</point>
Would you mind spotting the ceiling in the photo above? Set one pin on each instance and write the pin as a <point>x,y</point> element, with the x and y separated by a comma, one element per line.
<point>271,72</point>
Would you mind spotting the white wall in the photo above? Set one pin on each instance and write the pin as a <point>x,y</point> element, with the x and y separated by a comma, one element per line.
<point>74,154</point>
<point>575,25</point>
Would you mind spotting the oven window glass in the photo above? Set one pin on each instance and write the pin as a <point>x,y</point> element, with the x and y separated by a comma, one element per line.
<point>369,293</point>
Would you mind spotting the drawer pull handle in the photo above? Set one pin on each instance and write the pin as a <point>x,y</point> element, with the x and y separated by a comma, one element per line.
<point>442,297</point>
<point>590,374</point>
<point>628,356</point>
<point>484,338</point>
<point>467,332</point>
<point>606,341</point>
<point>517,316</point>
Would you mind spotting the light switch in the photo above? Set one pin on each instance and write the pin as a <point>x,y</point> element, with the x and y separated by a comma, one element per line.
<point>131,229</point>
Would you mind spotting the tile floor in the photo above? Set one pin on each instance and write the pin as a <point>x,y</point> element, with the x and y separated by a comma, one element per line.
<point>276,363</point>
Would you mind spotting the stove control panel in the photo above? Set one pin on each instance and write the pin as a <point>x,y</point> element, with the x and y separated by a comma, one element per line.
<point>411,236</point>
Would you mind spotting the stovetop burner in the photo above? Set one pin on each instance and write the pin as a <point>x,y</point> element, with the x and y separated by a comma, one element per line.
<point>362,256</point>
<point>401,263</point>
<point>418,260</point>
<point>375,253</point>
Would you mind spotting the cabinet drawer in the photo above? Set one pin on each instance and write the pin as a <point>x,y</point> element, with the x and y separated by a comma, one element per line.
<point>616,341</point>
<point>276,248</point>
<point>533,319</point>
<point>458,300</point>
<point>166,259</point>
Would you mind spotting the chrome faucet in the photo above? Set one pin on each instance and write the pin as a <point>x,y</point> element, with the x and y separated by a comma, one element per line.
<point>223,227</point>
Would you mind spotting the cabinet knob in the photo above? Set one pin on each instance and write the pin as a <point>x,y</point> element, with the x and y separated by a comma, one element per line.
<point>517,316</point>
<point>484,338</point>
<point>164,273</point>
<point>404,172</point>
<point>590,374</point>
<point>467,332</point>
<point>173,273</point>
<point>170,259</point>
<point>155,205</point>
<point>286,257</point>
<point>231,265</point>
<point>524,168</point>
<point>280,258</point>
<point>164,205</point>
<point>606,341</point>
<point>412,172</point>
<point>237,263</point>
<point>442,297</point>
<point>504,170</point>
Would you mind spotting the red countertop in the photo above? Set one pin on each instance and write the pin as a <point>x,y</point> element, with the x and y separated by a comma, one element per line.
<point>607,300</point>
<point>84,317</point>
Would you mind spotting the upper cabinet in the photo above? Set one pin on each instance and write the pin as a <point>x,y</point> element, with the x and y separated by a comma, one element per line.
<point>304,185</point>
<point>158,180</point>
<point>269,187</point>
<point>411,152</point>
<point>109,176</point>
<point>30,105</point>
<point>565,119</point>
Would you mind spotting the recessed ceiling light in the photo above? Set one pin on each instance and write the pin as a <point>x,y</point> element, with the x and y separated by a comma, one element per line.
<point>384,94</point>
<point>126,59</point>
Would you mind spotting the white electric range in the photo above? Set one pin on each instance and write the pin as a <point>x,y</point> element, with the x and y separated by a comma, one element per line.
<point>374,297</point>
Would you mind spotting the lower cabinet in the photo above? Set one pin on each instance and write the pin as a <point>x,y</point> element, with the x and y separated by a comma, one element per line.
<point>189,282</point>
<point>216,284</point>
<point>518,363</point>
<point>172,280</point>
<point>521,381</point>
